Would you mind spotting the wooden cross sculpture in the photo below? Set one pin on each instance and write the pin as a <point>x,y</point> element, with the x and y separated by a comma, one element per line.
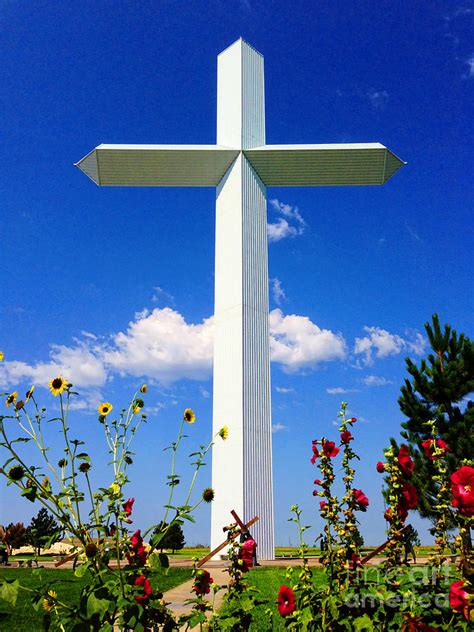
<point>243,528</point>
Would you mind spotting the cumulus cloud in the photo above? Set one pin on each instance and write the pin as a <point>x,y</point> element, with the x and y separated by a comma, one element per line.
<point>80,363</point>
<point>381,343</point>
<point>278,292</point>
<point>298,343</point>
<point>161,345</point>
<point>470,66</point>
<point>290,225</point>
<point>278,427</point>
<point>162,296</point>
<point>376,380</point>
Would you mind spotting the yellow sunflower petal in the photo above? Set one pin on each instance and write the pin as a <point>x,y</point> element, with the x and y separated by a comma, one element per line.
<point>11,399</point>
<point>105,408</point>
<point>58,385</point>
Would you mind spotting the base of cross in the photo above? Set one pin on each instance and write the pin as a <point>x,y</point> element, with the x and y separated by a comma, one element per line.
<point>234,530</point>
<point>383,546</point>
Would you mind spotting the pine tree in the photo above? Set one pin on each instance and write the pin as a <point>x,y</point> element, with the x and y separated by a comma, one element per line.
<point>173,539</point>
<point>43,531</point>
<point>437,390</point>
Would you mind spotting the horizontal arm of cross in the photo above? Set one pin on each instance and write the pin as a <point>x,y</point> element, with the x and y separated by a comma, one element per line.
<point>205,165</point>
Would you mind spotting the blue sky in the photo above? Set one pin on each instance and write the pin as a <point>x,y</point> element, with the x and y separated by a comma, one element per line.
<point>90,276</point>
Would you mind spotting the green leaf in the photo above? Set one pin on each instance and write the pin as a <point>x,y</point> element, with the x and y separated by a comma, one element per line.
<point>363,623</point>
<point>81,570</point>
<point>30,493</point>
<point>9,591</point>
<point>164,560</point>
<point>97,605</point>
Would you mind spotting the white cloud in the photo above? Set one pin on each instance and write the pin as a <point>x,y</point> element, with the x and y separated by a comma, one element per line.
<point>383,344</point>
<point>297,343</point>
<point>376,380</point>
<point>278,292</point>
<point>278,427</point>
<point>79,364</point>
<point>282,227</point>
<point>162,296</point>
<point>378,98</point>
<point>161,345</point>
<point>338,390</point>
<point>284,390</point>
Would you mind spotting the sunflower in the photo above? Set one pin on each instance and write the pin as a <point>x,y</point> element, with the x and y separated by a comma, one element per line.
<point>208,495</point>
<point>189,416</point>
<point>224,432</point>
<point>1,356</point>
<point>137,405</point>
<point>29,394</point>
<point>11,399</point>
<point>143,388</point>
<point>58,385</point>
<point>49,600</point>
<point>19,405</point>
<point>104,409</point>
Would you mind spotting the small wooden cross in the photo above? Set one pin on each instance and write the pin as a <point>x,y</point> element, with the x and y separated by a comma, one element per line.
<point>243,528</point>
<point>382,546</point>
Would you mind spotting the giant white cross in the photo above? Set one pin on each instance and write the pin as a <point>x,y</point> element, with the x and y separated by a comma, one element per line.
<point>241,166</point>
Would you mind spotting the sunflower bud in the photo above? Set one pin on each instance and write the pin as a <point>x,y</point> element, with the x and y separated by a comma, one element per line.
<point>208,495</point>
<point>16,473</point>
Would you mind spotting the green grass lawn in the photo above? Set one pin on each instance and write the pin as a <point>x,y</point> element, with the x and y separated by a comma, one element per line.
<point>25,618</point>
<point>268,581</point>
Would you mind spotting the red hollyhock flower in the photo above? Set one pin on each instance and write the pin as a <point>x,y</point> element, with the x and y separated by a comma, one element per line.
<point>315,453</point>
<point>380,467</point>
<point>361,500</point>
<point>286,601</point>
<point>318,481</point>
<point>415,624</point>
<point>408,497</point>
<point>329,449</point>
<point>462,488</point>
<point>404,460</point>
<point>429,446</point>
<point>460,599</point>
<point>346,437</point>
<point>202,582</point>
<point>323,505</point>
<point>141,580</point>
<point>127,507</point>
<point>138,554</point>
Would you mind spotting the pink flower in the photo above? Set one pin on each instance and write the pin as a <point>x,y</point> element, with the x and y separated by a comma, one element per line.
<point>346,437</point>
<point>361,500</point>
<point>286,601</point>
<point>404,460</point>
<point>462,488</point>
<point>329,449</point>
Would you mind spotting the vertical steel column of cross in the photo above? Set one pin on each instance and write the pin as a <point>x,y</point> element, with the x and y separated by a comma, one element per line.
<point>242,466</point>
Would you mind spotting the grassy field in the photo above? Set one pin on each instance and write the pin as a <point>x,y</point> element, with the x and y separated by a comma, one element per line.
<point>268,581</point>
<point>25,617</point>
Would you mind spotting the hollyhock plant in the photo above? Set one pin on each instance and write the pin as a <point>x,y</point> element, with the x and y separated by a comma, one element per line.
<point>127,507</point>
<point>462,488</point>
<point>286,601</point>
<point>405,461</point>
<point>202,582</point>
<point>143,582</point>
<point>329,449</point>
<point>346,436</point>
<point>461,598</point>
<point>434,448</point>
<point>361,500</point>
<point>380,467</point>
